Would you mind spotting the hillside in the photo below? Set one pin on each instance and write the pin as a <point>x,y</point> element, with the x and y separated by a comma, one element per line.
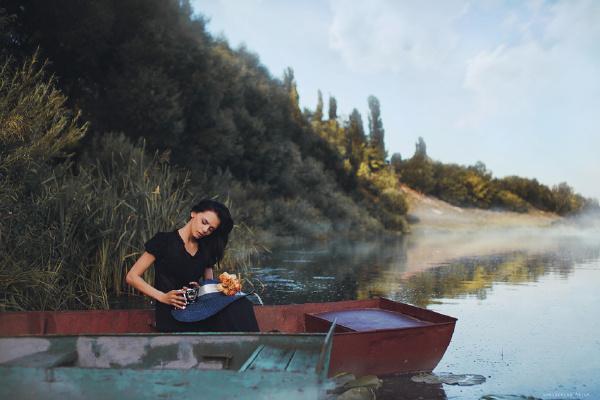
<point>426,213</point>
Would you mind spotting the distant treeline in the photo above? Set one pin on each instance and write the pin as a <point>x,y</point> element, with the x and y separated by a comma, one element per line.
<point>474,186</point>
<point>117,115</point>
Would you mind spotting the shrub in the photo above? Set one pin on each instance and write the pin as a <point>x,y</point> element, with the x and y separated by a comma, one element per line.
<point>510,201</point>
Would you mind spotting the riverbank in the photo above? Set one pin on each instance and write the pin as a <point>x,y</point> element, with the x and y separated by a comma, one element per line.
<point>429,213</point>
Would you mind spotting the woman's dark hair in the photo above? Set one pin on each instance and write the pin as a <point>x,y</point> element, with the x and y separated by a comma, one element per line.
<point>216,242</point>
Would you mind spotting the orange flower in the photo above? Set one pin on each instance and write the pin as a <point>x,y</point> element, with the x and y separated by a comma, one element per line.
<point>230,284</point>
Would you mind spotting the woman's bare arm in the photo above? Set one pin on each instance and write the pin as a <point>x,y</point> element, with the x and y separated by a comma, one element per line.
<point>208,273</point>
<point>134,278</point>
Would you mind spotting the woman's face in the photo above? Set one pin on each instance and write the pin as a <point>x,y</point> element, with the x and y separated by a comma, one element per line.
<point>204,223</point>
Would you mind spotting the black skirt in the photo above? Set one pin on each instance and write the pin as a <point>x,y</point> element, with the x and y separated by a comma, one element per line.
<point>236,317</point>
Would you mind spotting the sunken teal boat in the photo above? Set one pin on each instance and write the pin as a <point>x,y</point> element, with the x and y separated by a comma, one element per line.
<point>183,366</point>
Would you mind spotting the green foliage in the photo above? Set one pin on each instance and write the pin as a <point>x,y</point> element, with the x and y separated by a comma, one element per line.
<point>394,201</point>
<point>396,162</point>
<point>332,109</point>
<point>418,173</point>
<point>35,124</point>
<point>147,98</point>
<point>356,141</point>
<point>149,69</point>
<point>474,186</point>
<point>420,149</point>
<point>377,154</point>
<point>70,232</point>
<point>318,115</point>
<point>536,194</point>
<point>509,201</point>
<point>90,223</point>
<point>289,82</point>
<point>36,130</point>
<point>565,200</point>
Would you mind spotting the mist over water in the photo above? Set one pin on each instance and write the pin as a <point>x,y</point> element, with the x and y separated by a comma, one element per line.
<point>526,299</point>
<point>351,269</point>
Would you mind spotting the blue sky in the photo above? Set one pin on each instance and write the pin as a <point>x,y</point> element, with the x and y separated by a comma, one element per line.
<point>515,84</point>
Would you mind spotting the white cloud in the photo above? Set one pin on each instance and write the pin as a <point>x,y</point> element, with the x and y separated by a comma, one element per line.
<point>387,35</point>
<point>554,70</point>
<point>541,94</point>
<point>507,81</point>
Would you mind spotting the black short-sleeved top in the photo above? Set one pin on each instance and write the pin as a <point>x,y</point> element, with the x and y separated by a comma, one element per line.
<point>174,268</point>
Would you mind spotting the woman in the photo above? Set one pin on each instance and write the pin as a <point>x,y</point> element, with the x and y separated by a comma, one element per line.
<point>183,257</point>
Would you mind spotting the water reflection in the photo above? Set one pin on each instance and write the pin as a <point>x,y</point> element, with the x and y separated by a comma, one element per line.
<point>526,302</point>
<point>418,269</point>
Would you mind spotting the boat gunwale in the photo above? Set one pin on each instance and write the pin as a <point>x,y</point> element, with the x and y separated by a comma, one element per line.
<point>381,303</point>
<point>145,334</point>
<point>301,334</point>
<point>389,330</point>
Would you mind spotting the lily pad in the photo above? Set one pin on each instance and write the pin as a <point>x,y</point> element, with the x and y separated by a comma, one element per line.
<point>358,393</point>
<point>340,379</point>
<point>369,381</point>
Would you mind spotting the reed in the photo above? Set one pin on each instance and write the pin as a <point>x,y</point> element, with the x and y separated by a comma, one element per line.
<point>93,221</point>
<point>71,232</point>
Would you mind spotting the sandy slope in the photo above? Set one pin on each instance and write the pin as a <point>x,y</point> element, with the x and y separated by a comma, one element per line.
<point>430,213</point>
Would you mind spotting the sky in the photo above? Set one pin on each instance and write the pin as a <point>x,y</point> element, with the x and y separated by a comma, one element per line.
<point>514,84</point>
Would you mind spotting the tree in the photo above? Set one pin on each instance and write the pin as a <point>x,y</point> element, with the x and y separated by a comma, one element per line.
<point>564,198</point>
<point>332,108</point>
<point>215,109</point>
<point>377,153</point>
<point>396,161</point>
<point>36,124</point>
<point>418,171</point>
<point>355,140</point>
<point>420,149</point>
<point>318,115</point>
<point>289,84</point>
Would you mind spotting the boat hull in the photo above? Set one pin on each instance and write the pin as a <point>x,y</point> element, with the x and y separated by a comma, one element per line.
<point>78,383</point>
<point>388,349</point>
<point>189,365</point>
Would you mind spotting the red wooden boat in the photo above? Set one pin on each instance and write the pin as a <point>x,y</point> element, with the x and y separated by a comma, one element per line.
<point>377,336</point>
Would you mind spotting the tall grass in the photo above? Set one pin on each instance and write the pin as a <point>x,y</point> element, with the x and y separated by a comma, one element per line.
<point>90,226</point>
<point>84,227</point>
<point>71,231</point>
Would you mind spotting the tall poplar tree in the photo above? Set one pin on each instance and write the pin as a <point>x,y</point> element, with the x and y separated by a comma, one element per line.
<point>355,140</point>
<point>289,82</point>
<point>318,115</point>
<point>332,108</point>
<point>421,149</point>
<point>334,133</point>
<point>377,153</point>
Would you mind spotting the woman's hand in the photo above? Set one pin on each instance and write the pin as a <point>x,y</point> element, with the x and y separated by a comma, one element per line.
<point>174,298</point>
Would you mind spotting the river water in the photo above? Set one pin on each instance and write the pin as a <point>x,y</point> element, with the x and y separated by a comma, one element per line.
<point>527,302</point>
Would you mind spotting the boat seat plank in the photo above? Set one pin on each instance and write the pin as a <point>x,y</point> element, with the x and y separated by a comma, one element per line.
<point>45,359</point>
<point>271,359</point>
<point>251,359</point>
<point>370,319</point>
<point>302,361</point>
